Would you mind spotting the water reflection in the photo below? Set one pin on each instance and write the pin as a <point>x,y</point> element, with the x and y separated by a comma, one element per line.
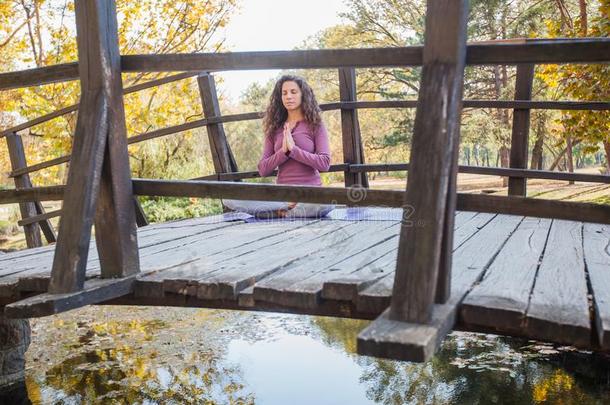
<point>169,355</point>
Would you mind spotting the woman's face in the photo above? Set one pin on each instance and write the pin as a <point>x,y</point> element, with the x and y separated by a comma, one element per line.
<point>291,95</point>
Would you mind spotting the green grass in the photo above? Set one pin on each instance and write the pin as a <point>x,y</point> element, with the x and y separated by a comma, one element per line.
<point>163,209</point>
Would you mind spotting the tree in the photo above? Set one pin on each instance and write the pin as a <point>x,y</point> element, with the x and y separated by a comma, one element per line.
<point>582,82</point>
<point>37,33</point>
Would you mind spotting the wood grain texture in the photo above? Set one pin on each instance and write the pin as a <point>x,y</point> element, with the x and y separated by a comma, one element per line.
<point>300,282</point>
<point>500,300</point>
<point>521,127</point>
<point>28,209</point>
<point>94,291</point>
<point>596,245</point>
<point>222,156</point>
<point>559,309</point>
<point>429,189</point>
<point>353,152</point>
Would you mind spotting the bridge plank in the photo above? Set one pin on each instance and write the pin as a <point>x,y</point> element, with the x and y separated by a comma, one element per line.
<point>416,341</point>
<point>345,285</point>
<point>39,264</point>
<point>559,309</point>
<point>597,257</point>
<point>235,276</point>
<point>377,297</point>
<point>301,281</point>
<point>182,277</point>
<point>500,301</point>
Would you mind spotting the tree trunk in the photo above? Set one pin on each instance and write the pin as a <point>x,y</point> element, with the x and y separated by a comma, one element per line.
<point>583,17</point>
<point>536,162</point>
<point>607,149</point>
<point>504,162</point>
<point>570,156</point>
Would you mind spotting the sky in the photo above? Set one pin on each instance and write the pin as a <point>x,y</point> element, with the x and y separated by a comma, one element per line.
<point>273,25</point>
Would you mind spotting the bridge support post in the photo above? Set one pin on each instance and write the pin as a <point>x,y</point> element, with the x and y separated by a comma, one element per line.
<point>411,327</point>
<point>99,181</point>
<point>353,151</point>
<point>521,128</point>
<point>14,342</point>
<point>33,238</point>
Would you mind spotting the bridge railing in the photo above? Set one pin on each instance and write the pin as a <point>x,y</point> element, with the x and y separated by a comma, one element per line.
<point>100,189</point>
<point>354,168</point>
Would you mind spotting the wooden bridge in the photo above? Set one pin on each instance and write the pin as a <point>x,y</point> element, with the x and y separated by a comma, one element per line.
<point>512,265</point>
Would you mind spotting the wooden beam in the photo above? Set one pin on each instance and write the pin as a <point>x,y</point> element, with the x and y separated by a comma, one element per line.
<point>39,217</point>
<point>521,128</point>
<point>433,164</point>
<point>353,152</point>
<point>534,207</point>
<point>522,50</point>
<point>93,292</point>
<point>222,156</point>
<point>38,76</point>
<point>74,107</point>
<point>28,209</point>
<point>100,165</point>
<point>45,226</point>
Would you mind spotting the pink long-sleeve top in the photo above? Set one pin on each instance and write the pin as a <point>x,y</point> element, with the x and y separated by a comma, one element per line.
<point>303,164</point>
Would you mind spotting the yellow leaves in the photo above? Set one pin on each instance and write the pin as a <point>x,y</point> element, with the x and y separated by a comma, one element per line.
<point>553,387</point>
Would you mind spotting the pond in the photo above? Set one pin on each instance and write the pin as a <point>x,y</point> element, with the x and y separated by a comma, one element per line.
<point>155,355</point>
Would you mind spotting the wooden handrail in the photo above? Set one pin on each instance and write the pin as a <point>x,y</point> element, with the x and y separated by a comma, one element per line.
<point>512,205</point>
<point>572,50</point>
<point>565,105</point>
<point>74,107</point>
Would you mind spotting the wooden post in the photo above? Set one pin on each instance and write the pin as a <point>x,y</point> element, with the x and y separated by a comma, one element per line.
<point>28,209</point>
<point>353,151</point>
<point>521,128</point>
<point>432,167</point>
<point>222,155</point>
<point>224,161</point>
<point>99,179</point>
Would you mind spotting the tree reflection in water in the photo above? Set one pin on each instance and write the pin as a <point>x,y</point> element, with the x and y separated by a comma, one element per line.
<point>172,355</point>
<point>479,369</point>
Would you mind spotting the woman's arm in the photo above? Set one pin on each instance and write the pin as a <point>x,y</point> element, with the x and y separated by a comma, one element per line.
<point>270,159</point>
<point>320,159</point>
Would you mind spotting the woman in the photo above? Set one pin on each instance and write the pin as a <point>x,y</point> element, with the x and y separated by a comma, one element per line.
<point>296,142</point>
<point>295,136</point>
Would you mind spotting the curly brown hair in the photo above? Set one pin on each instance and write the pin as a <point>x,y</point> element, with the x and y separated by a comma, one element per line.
<point>276,114</point>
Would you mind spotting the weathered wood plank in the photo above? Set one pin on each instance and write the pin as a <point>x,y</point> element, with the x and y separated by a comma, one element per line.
<point>421,250</point>
<point>93,292</point>
<point>397,340</point>
<point>511,205</point>
<point>376,298</point>
<point>596,245</point>
<point>558,309</point>
<point>417,341</point>
<point>347,286</point>
<point>501,299</point>
<point>230,278</point>
<point>192,260</point>
<point>158,237</point>
<point>300,282</point>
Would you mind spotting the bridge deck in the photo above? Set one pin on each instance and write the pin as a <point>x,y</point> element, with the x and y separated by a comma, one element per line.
<point>532,277</point>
